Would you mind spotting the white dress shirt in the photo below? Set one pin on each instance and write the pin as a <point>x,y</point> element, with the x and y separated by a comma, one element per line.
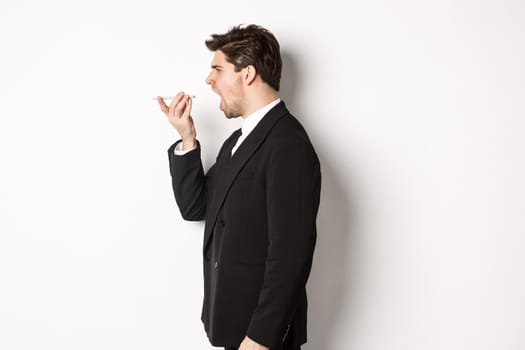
<point>248,124</point>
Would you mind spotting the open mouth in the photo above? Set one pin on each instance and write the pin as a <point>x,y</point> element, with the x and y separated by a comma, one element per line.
<point>222,105</point>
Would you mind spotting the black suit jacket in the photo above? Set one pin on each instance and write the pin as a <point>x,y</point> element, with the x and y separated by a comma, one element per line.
<point>260,207</point>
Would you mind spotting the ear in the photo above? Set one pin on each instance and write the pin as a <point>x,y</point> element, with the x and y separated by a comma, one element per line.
<point>249,74</point>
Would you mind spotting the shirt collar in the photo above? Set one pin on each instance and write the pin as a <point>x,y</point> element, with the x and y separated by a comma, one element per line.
<point>250,122</point>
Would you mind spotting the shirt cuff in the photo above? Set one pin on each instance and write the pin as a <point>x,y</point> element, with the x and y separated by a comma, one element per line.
<point>178,151</point>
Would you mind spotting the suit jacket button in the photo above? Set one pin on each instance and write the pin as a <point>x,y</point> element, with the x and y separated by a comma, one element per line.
<point>216,264</point>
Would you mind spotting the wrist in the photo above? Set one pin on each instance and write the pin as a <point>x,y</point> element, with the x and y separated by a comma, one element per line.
<point>188,144</point>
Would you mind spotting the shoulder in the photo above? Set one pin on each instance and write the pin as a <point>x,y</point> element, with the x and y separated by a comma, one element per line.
<point>288,130</point>
<point>289,136</point>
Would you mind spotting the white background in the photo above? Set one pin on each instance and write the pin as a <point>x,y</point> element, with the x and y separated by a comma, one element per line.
<point>416,109</point>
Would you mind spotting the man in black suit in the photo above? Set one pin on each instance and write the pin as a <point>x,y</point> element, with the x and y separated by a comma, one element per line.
<point>259,200</point>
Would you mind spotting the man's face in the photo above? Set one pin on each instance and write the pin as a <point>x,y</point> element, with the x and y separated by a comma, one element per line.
<point>227,83</point>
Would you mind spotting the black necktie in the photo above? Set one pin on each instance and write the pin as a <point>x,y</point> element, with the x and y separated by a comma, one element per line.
<point>235,143</point>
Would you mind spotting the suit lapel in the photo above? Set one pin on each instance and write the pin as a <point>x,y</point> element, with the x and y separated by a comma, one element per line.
<point>230,167</point>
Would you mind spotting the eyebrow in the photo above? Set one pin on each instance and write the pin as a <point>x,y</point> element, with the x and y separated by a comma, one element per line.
<point>216,66</point>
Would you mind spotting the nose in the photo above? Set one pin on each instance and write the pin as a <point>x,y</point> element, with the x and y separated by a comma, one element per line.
<point>209,79</point>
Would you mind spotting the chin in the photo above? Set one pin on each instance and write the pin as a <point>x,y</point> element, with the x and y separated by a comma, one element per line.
<point>231,115</point>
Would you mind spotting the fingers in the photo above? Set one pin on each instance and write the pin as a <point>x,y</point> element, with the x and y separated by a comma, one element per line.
<point>179,115</point>
<point>163,106</point>
<point>176,101</point>
<point>187,111</point>
<point>180,107</point>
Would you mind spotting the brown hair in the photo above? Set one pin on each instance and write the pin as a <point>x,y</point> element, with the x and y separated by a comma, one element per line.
<point>251,45</point>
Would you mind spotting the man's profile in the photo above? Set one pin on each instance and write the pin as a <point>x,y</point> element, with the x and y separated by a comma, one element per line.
<point>259,200</point>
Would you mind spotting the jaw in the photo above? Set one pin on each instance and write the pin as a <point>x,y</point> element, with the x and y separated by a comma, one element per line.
<point>233,107</point>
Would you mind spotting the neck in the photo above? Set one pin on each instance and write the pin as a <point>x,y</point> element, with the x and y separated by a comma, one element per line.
<point>259,100</point>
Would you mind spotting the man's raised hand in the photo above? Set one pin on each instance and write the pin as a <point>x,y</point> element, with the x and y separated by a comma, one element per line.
<point>178,113</point>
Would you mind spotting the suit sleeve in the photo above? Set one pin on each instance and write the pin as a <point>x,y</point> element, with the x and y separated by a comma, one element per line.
<point>293,192</point>
<point>188,182</point>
